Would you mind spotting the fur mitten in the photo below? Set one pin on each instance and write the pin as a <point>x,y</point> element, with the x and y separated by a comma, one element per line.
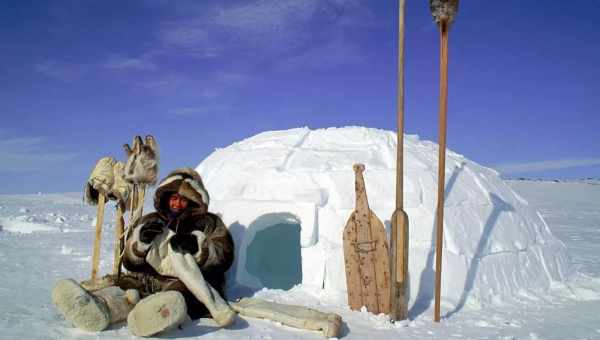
<point>185,243</point>
<point>100,181</point>
<point>142,161</point>
<point>148,232</point>
<point>143,237</point>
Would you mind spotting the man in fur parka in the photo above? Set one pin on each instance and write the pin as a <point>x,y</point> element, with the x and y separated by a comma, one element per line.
<point>177,258</point>
<point>183,224</point>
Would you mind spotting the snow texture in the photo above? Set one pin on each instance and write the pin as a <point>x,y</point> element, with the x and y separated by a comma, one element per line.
<point>495,244</point>
<point>505,275</point>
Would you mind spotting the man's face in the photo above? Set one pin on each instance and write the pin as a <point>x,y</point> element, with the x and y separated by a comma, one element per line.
<point>177,203</point>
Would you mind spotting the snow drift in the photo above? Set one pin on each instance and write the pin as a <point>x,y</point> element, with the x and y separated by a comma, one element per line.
<point>286,197</point>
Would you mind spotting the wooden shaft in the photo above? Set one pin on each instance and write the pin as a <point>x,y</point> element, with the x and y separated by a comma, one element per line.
<point>399,230</point>
<point>441,164</point>
<point>119,231</point>
<point>133,203</point>
<point>98,237</point>
<point>400,112</point>
<point>141,197</point>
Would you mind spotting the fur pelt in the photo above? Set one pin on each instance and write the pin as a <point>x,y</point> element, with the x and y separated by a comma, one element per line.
<point>296,316</point>
<point>142,161</point>
<point>443,10</point>
<point>186,182</point>
<point>121,189</point>
<point>159,254</point>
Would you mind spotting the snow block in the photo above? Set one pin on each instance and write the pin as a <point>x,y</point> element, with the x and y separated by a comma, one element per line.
<point>495,244</point>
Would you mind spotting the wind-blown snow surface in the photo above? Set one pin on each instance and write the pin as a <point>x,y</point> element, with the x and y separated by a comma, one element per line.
<point>495,244</point>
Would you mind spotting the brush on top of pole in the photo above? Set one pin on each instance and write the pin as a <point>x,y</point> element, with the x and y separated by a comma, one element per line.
<point>443,13</point>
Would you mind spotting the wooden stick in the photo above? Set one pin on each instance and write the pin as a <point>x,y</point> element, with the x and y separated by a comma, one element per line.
<point>132,205</point>
<point>99,221</point>
<point>441,164</point>
<point>119,233</point>
<point>141,197</point>
<point>399,232</point>
<point>136,207</point>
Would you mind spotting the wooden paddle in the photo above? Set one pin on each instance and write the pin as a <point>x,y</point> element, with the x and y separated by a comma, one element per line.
<point>366,255</point>
<point>399,233</point>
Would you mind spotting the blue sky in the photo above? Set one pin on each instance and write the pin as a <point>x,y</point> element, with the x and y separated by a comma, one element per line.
<point>80,78</point>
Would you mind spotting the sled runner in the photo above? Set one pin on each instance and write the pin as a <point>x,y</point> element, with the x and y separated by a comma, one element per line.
<point>366,255</point>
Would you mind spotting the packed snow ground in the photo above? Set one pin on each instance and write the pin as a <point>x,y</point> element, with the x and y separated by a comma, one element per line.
<point>49,236</point>
<point>290,192</point>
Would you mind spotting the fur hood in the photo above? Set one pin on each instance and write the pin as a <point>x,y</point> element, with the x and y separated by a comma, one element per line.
<point>186,182</point>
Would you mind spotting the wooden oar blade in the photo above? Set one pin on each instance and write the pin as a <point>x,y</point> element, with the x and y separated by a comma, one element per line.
<point>399,265</point>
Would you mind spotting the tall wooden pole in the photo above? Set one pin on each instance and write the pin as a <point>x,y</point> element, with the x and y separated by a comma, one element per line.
<point>441,164</point>
<point>119,233</point>
<point>399,232</point>
<point>443,11</point>
<point>98,236</point>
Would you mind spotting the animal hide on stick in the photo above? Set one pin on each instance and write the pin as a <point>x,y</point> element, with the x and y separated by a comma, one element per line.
<point>142,161</point>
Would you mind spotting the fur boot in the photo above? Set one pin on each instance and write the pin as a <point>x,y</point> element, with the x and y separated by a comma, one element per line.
<point>157,313</point>
<point>184,267</point>
<point>92,311</point>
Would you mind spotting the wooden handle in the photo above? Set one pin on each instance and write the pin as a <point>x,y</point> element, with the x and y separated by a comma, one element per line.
<point>362,204</point>
<point>441,166</point>
<point>119,231</point>
<point>99,221</point>
<point>358,168</point>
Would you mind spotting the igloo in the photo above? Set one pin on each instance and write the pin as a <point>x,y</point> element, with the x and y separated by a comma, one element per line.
<point>286,197</point>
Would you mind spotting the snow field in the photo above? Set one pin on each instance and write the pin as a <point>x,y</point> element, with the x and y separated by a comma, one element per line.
<point>494,297</point>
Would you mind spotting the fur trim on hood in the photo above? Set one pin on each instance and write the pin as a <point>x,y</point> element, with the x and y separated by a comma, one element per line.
<point>184,181</point>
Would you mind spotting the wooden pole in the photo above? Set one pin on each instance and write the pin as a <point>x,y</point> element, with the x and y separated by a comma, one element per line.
<point>119,232</point>
<point>441,164</point>
<point>99,221</point>
<point>141,197</point>
<point>133,201</point>
<point>138,193</point>
<point>399,232</point>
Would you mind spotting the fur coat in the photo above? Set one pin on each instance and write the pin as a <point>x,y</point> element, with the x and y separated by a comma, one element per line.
<point>213,247</point>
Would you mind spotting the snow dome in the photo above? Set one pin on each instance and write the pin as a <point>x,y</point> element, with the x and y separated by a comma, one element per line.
<point>286,197</point>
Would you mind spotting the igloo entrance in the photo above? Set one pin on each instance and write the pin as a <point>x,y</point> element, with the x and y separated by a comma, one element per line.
<point>271,254</point>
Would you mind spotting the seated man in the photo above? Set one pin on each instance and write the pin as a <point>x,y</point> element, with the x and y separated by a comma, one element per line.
<point>181,240</point>
<point>182,219</point>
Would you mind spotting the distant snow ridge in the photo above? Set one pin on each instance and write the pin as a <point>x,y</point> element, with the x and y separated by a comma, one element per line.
<point>286,197</point>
